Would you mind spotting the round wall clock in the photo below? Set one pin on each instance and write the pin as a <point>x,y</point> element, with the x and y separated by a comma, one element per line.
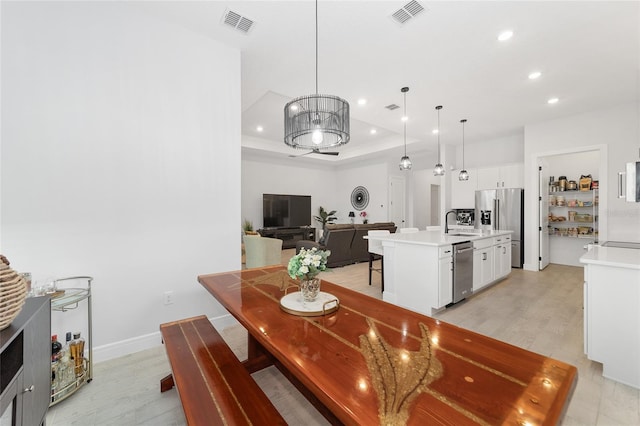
<point>360,198</point>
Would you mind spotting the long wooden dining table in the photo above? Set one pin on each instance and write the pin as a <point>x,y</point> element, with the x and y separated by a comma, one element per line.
<point>370,362</point>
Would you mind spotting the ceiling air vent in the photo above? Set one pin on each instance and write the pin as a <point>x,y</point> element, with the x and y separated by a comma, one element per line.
<point>391,107</point>
<point>237,21</point>
<point>407,12</point>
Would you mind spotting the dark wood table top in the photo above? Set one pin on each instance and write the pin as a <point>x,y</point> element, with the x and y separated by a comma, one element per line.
<point>371,362</point>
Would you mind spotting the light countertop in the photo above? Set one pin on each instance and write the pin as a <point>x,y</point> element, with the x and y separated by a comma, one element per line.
<point>438,238</point>
<point>612,256</point>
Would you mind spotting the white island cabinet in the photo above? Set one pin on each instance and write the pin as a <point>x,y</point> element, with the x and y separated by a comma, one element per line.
<point>418,268</point>
<point>483,263</point>
<point>612,311</point>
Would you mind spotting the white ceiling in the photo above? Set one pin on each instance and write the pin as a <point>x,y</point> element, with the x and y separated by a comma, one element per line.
<point>588,52</point>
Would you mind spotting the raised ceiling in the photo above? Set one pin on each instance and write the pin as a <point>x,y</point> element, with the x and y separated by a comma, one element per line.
<point>588,53</point>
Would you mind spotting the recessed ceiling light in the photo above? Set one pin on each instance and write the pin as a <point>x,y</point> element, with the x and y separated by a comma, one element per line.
<point>534,75</point>
<point>553,101</point>
<point>259,128</point>
<point>404,118</point>
<point>435,131</point>
<point>294,107</point>
<point>505,35</point>
<point>373,131</point>
<point>362,101</point>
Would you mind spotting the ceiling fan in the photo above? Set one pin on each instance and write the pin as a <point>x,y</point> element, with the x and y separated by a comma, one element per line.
<point>315,151</point>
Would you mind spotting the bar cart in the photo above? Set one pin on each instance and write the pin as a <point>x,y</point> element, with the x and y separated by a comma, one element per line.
<point>63,300</point>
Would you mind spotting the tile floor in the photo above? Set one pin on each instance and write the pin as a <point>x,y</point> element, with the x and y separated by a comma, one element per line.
<point>538,311</point>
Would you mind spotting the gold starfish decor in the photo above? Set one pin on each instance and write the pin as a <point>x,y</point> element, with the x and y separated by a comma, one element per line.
<point>398,375</point>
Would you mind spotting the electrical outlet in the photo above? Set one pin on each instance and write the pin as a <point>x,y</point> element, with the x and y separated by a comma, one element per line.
<point>168,297</point>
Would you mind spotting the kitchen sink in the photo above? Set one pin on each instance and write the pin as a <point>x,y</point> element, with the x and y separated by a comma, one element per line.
<point>463,234</point>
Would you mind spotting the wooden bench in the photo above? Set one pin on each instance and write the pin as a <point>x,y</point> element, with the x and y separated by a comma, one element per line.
<point>214,386</point>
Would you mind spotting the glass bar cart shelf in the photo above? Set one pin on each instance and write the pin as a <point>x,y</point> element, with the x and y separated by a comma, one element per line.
<point>67,299</point>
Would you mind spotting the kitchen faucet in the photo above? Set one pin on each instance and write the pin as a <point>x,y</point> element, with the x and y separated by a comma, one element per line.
<point>446,222</point>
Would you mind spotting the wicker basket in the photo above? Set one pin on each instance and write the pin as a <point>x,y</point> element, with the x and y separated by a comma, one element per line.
<point>13,291</point>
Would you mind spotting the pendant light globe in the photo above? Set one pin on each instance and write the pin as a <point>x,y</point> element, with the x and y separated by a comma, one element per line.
<point>405,162</point>
<point>464,175</point>
<point>438,170</point>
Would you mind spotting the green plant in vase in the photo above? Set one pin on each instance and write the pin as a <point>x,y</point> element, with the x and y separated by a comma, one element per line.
<point>247,227</point>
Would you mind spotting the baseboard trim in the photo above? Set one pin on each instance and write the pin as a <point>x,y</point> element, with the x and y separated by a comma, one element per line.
<point>136,344</point>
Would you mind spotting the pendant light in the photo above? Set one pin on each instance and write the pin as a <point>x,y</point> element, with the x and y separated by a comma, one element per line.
<point>316,122</point>
<point>439,169</point>
<point>464,175</point>
<point>405,162</point>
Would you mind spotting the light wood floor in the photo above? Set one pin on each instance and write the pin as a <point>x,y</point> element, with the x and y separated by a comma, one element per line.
<point>538,311</point>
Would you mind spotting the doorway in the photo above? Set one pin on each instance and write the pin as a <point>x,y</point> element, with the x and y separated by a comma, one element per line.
<point>397,200</point>
<point>562,238</point>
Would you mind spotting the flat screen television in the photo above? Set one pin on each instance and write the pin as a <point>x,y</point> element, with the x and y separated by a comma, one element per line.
<point>286,211</point>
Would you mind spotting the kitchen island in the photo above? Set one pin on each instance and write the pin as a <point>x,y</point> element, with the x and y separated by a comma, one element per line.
<point>612,311</point>
<point>419,267</point>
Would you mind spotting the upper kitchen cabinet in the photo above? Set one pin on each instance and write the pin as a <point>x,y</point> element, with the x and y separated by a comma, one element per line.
<point>511,176</point>
<point>463,192</point>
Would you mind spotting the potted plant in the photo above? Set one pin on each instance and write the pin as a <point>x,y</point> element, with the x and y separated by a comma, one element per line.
<point>325,217</point>
<point>247,227</point>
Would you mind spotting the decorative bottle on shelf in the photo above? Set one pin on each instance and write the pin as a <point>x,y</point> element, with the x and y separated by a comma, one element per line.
<point>77,353</point>
<point>55,357</point>
<point>66,366</point>
<point>56,347</point>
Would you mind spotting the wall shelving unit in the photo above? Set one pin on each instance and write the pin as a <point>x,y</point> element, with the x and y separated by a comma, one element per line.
<point>574,214</point>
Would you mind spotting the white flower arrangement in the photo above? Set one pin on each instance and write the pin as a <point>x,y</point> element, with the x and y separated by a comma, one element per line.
<point>308,263</point>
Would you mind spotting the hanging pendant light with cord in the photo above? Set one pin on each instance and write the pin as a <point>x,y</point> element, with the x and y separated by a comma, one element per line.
<point>439,169</point>
<point>464,175</point>
<point>405,162</point>
<point>316,122</point>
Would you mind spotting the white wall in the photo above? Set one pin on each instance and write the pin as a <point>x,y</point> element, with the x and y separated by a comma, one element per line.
<point>491,152</point>
<point>120,160</point>
<point>329,187</point>
<point>280,177</point>
<point>615,132</point>
<point>375,178</point>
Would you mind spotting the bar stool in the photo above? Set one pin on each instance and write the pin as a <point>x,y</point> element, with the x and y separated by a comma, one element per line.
<point>376,251</point>
<point>408,230</point>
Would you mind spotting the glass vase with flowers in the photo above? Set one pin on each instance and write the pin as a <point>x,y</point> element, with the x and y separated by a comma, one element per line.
<point>305,266</point>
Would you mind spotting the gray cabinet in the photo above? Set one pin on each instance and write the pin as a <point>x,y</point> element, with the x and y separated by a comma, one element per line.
<point>290,236</point>
<point>26,364</point>
<point>37,371</point>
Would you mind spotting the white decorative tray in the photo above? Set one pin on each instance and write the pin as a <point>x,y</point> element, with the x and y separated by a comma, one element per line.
<point>324,304</point>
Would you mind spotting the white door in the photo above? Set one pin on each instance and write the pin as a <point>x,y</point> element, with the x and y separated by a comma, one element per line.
<point>543,222</point>
<point>397,201</point>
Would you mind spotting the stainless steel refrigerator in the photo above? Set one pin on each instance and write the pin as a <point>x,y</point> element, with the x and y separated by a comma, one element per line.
<point>503,209</point>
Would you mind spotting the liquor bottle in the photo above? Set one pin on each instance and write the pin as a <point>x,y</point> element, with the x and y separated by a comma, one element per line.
<point>55,356</point>
<point>66,367</point>
<point>55,348</point>
<point>77,353</point>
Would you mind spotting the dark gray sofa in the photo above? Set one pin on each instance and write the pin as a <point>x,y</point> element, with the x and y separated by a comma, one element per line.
<point>347,244</point>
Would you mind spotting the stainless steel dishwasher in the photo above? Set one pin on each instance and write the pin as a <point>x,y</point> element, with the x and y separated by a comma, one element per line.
<point>462,270</point>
